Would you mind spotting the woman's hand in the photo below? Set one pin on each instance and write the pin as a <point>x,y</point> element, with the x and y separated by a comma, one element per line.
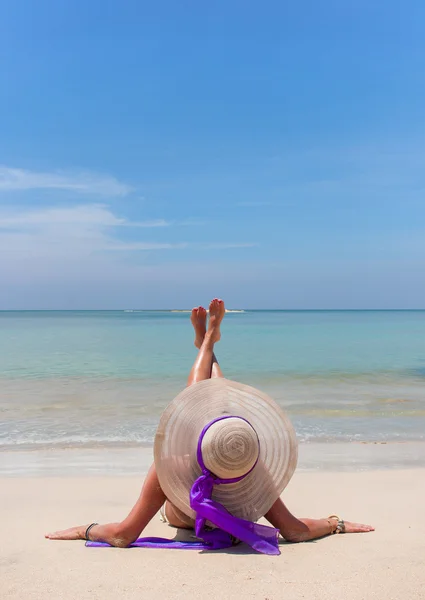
<point>112,533</point>
<point>303,530</point>
<point>74,533</point>
<point>357,527</point>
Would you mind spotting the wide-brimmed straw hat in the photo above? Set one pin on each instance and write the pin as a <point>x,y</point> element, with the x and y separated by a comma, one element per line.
<point>235,432</point>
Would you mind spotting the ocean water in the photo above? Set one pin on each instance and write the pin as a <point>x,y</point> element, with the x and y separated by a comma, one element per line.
<point>101,379</point>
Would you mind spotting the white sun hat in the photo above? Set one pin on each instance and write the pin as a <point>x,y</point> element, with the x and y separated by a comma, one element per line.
<point>235,432</point>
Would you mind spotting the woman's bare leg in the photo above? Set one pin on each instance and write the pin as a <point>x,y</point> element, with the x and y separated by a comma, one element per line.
<point>199,322</point>
<point>215,369</point>
<point>202,367</point>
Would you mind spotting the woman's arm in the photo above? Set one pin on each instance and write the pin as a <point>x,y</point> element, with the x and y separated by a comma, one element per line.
<point>302,530</point>
<point>127,531</point>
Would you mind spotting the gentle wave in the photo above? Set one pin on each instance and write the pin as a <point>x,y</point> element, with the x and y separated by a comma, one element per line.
<point>309,428</point>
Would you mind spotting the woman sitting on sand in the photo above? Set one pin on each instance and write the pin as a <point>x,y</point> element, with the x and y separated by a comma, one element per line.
<point>218,432</point>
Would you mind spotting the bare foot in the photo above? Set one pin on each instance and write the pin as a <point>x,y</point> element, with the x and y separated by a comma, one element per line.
<point>199,322</point>
<point>216,312</point>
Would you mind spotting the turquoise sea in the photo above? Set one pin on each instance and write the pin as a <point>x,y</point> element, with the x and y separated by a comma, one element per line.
<point>101,379</point>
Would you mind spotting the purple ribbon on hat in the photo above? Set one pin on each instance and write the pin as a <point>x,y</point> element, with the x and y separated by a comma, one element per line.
<point>261,538</point>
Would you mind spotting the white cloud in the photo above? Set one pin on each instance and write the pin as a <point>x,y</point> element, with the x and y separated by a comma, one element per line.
<point>97,215</point>
<point>82,183</point>
<point>51,237</point>
<point>81,230</point>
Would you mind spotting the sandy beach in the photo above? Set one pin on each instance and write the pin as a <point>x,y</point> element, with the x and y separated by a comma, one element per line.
<point>387,564</point>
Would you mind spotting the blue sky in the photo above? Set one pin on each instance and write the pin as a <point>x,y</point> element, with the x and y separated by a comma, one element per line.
<point>159,154</point>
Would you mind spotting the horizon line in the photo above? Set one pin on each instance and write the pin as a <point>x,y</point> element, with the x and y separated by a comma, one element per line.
<point>129,310</point>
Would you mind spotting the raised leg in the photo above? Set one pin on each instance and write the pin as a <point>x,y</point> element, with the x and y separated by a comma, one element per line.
<point>199,322</point>
<point>206,362</point>
<point>215,368</point>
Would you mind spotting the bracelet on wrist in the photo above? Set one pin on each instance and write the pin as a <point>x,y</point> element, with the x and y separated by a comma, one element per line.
<point>340,525</point>
<point>86,536</point>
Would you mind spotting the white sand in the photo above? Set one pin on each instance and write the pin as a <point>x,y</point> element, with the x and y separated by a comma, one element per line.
<point>387,564</point>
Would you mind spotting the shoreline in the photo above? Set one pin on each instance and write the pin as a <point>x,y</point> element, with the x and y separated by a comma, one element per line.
<point>134,460</point>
